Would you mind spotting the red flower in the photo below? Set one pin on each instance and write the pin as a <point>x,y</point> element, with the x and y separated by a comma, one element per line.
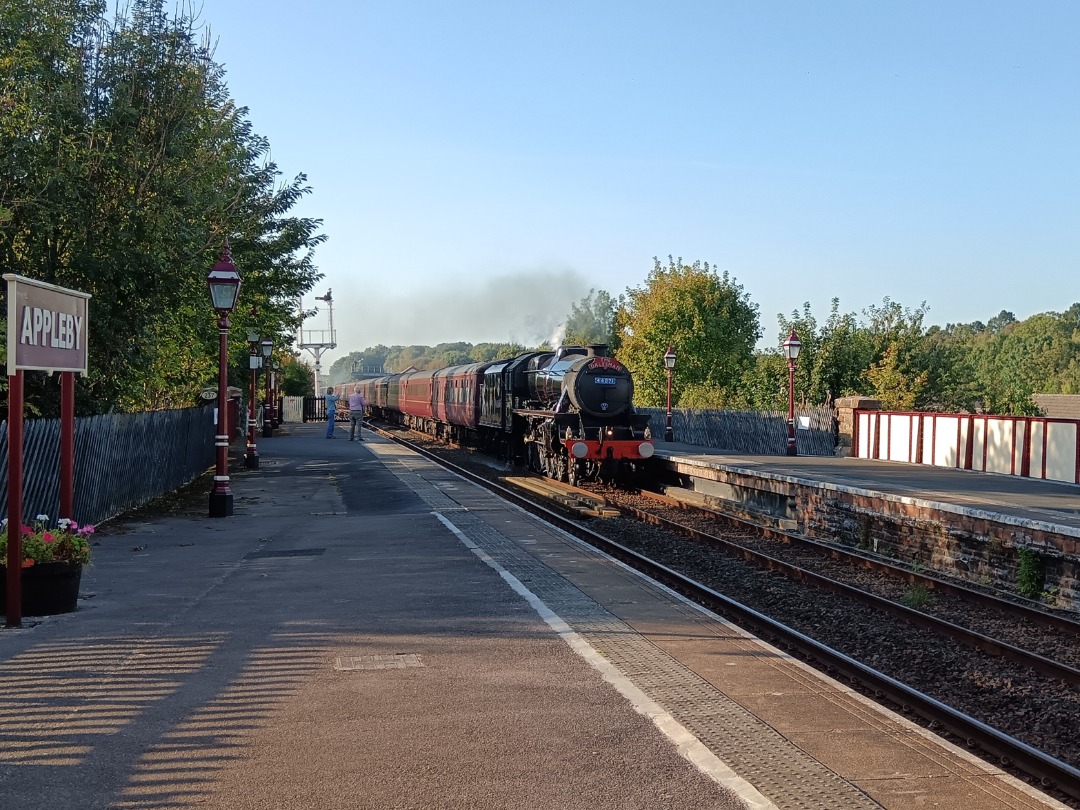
<point>48,538</point>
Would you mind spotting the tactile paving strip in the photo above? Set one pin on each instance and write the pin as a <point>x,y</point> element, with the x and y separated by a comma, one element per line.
<point>783,773</point>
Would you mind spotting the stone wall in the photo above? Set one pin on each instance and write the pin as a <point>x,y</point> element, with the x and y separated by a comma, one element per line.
<point>966,544</point>
<point>972,547</point>
<point>845,418</point>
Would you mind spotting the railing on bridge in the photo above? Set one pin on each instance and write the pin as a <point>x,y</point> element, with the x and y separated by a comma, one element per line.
<point>1028,446</point>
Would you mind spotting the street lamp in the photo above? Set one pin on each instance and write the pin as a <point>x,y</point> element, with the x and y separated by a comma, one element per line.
<point>224,284</point>
<point>275,389</point>
<point>251,457</point>
<point>267,345</point>
<point>669,361</point>
<point>792,347</point>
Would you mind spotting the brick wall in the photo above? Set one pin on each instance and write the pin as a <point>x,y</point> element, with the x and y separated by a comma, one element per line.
<point>976,549</point>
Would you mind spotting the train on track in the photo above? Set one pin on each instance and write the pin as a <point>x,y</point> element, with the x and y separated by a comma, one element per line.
<point>567,414</point>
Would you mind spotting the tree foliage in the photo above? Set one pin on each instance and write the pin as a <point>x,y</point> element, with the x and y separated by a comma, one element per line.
<point>124,167</point>
<point>591,320</point>
<point>704,316</point>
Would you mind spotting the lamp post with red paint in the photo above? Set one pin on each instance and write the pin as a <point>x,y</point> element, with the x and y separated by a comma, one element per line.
<point>792,347</point>
<point>669,362</point>
<point>224,285</point>
<point>267,346</point>
<point>251,456</point>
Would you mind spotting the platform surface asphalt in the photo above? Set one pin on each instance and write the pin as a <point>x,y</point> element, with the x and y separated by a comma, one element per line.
<point>1030,501</point>
<point>331,645</point>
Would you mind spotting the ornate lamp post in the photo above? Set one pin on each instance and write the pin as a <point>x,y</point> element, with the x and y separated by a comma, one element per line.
<point>792,347</point>
<point>267,345</point>
<point>276,420</point>
<point>669,361</point>
<point>224,284</point>
<point>251,456</point>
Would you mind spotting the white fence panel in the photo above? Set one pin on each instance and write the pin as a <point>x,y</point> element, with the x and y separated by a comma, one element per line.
<point>1061,438</point>
<point>1007,445</point>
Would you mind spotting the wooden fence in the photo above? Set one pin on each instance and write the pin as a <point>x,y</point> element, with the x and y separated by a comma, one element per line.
<point>121,461</point>
<point>754,432</point>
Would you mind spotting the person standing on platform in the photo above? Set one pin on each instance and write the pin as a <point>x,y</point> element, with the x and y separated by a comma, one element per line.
<point>331,411</point>
<point>357,403</point>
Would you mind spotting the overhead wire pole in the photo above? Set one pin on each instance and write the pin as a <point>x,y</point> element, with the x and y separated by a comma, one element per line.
<point>318,341</point>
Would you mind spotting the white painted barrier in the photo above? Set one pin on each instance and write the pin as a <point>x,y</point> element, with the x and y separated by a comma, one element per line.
<point>1029,446</point>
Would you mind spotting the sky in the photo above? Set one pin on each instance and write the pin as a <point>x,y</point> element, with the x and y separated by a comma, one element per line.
<point>479,167</point>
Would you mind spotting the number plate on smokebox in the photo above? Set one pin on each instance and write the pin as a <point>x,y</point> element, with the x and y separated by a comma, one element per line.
<point>604,380</point>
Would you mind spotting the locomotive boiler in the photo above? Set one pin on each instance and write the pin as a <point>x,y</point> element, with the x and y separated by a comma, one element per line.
<point>568,414</point>
<point>578,416</point>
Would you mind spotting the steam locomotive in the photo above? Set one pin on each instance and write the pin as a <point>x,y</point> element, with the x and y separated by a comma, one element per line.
<point>567,414</point>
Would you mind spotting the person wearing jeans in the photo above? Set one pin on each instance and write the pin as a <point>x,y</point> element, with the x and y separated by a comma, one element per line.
<point>331,411</point>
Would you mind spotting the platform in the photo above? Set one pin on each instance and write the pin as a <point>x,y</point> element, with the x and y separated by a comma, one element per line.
<point>369,631</point>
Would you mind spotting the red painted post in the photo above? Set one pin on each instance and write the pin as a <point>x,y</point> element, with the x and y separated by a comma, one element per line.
<point>15,484</point>
<point>67,444</point>
<point>221,497</point>
<point>792,448</point>
<point>1025,453</point>
<point>251,457</point>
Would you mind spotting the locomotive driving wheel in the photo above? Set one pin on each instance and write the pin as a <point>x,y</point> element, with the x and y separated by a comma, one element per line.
<point>574,473</point>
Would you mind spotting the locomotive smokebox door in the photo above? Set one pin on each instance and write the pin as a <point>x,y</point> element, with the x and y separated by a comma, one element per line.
<point>600,386</point>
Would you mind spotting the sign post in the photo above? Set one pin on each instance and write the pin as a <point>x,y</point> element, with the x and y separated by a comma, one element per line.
<point>47,330</point>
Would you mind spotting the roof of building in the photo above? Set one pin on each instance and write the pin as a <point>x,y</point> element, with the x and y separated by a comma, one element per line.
<point>1059,406</point>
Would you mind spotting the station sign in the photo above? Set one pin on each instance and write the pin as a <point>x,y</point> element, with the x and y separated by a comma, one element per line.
<point>47,326</point>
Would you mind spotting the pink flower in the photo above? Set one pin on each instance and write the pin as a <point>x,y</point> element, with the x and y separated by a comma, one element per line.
<point>48,537</point>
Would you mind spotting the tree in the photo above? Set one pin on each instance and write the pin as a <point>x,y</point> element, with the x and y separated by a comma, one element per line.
<point>705,316</point>
<point>897,389</point>
<point>591,320</point>
<point>297,379</point>
<point>1037,355</point>
<point>132,166</point>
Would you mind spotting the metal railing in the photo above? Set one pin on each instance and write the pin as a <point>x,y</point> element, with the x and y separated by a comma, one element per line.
<point>121,461</point>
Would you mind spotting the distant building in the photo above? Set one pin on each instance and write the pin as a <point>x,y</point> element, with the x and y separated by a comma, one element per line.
<point>362,370</point>
<point>1058,406</point>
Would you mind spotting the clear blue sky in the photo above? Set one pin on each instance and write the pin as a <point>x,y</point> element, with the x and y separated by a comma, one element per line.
<point>503,158</point>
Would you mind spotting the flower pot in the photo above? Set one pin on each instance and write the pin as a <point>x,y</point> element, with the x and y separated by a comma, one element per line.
<point>47,588</point>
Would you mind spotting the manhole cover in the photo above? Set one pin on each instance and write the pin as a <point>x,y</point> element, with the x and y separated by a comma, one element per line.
<point>400,661</point>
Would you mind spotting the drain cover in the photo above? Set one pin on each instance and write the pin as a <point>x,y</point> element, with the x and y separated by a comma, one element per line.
<point>400,661</point>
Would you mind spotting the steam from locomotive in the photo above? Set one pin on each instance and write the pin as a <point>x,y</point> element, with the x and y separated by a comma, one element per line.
<point>568,414</point>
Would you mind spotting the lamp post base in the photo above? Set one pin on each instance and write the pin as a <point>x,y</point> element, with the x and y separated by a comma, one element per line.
<point>251,461</point>
<point>221,504</point>
<point>268,431</point>
<point>669,436</point>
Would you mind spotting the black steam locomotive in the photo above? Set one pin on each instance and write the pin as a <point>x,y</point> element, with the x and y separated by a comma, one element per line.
<point>567,414</point>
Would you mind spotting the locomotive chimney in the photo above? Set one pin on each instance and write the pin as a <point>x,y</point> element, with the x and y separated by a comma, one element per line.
<point>597,350</point>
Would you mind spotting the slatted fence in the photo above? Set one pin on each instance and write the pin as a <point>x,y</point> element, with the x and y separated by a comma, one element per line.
<point>121,460</point>
<point>755,432</point>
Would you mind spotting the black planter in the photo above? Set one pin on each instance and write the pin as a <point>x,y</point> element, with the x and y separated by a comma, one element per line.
<point>47,588</point>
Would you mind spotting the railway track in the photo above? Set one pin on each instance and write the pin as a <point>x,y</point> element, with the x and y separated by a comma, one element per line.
<point>1011,628</point>
<point>1017,706</point>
